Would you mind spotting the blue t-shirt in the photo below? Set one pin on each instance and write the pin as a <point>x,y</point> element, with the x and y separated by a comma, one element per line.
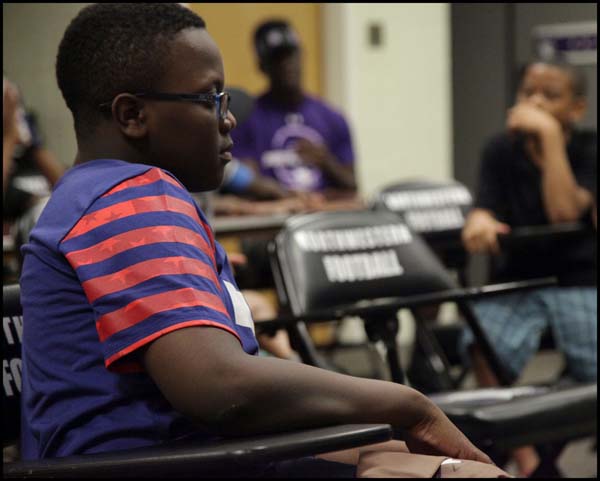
<point>120,256</point>
<point>269,134</point>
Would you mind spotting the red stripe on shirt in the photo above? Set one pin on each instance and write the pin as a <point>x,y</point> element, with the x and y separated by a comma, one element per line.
<point>132,367</point>
<point>141,205</point>
<point>144,307</point>
<point>142,271</point>
<point>153,175</point>
<point>135,238</point>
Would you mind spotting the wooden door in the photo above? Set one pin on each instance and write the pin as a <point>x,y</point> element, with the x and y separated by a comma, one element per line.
<point>232,26</point>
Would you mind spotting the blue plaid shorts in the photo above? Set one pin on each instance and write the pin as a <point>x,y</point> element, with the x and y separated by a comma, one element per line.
<point>514,324</point>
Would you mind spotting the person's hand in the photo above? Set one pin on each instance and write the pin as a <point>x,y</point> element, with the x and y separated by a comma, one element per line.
<point>310,200</point>
<point>9,112</point>
<point>526,118</point>
<point>236,259</point>
<point>295,203</point>
<point>436,435</point>
<point>480,233</point>
<point>312,154</point>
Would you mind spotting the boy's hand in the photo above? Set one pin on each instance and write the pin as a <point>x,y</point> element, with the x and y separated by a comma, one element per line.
<point>529,119</point>
<point>480,233</point>
<point>313,154</point>
<point>436,435</point>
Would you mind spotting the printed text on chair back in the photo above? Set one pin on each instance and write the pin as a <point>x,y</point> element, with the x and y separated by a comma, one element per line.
<point>12,329</point>
<point>427,206</point>
<point>329,259</point>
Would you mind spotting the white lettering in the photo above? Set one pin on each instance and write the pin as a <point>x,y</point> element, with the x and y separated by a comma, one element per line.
<point>6,378</point>
<point>361,266</point>
<point>359,238</point>
<point>15,369</point>
<point>7,331</point>
<point>17,323</point>
<point>401,201</point>
<point>435,220</point>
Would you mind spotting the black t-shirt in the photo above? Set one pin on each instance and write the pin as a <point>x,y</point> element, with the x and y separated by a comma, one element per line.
<point>510,186</point>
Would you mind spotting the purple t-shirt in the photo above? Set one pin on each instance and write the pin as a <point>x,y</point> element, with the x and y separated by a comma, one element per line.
<point>120,256</point>
<point>269,134</point>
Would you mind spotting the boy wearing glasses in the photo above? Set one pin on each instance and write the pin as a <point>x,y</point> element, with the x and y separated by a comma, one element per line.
<point>135,333</point>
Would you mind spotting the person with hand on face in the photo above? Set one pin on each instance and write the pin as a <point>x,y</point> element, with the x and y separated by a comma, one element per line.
<point>134,331</point>
<point>291,136</point>
<point>540,171</point>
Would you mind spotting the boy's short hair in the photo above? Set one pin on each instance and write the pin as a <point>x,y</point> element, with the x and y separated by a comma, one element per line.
<point>578,80</point>
<point>111,48</point>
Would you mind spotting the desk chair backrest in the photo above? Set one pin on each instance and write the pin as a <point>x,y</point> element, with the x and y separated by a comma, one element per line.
<point>327,259</point>
<point>12,328</point>
<point>426,206</point>
<point>336,260</point>
<point>435,209</point>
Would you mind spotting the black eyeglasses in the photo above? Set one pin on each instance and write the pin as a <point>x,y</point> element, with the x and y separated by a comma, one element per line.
<point>221,100</point>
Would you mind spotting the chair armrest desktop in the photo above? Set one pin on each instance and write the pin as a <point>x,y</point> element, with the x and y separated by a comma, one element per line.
<point>227,456</point>
<point>392,304</point>
<point>523,235</point>
<point>528,415</point>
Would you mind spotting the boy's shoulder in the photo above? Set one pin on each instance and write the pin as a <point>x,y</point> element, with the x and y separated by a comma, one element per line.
<point>77,190</point>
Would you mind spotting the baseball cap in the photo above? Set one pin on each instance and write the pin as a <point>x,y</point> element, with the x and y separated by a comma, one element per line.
<point>273,37</point>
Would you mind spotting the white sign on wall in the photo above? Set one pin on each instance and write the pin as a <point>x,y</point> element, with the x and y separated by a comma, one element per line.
<point>576,42</point>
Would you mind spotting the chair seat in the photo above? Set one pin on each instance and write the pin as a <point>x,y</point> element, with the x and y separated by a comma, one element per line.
<point>522,415</point>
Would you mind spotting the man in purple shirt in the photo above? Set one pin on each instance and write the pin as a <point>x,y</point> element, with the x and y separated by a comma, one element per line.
<point>290,136</point>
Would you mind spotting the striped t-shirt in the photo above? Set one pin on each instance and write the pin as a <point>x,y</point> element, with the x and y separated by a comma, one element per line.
<point>120,256</point>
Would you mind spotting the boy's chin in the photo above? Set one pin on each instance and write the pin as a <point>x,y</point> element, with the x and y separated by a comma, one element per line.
<point>207,185</point>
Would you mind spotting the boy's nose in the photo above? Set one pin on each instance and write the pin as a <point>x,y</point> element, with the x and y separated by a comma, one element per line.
<point>537,99</point>
<point>228,123</point>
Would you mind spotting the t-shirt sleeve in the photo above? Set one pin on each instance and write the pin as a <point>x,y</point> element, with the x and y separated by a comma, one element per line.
<point>490,192</point>
<point>146,263</point>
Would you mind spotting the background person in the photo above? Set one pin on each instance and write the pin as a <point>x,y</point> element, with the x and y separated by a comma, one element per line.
<point>541,170</point>
<point>291,136</point>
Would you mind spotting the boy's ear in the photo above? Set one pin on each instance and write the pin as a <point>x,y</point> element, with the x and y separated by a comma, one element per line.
<point>128,111</point>
<point>578,109</point>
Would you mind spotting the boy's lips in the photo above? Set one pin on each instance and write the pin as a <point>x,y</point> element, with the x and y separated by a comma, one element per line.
<point>225,157</point>
<point>225,153</point>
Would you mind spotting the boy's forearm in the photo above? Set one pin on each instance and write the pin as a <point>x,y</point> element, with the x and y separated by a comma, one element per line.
<point>205,375</point>
<point>563,198</point>
<point>276,395</point>
<point>341,174</point>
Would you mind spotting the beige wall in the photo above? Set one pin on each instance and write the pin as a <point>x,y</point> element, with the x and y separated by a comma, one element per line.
<point>398,96</point>
<point>30,38</point>
<point>397,99</point>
